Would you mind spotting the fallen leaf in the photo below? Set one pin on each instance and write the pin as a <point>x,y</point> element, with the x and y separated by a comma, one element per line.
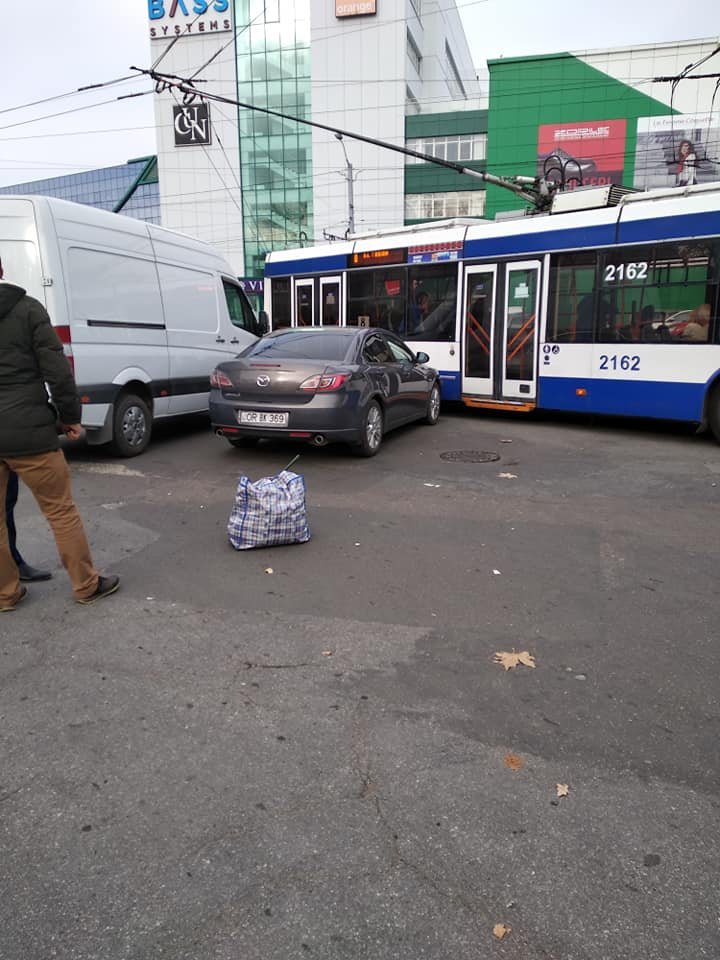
<point>513,761</point>
<point>510,660</point>
<point>269,570</point>
<point>328,653</point>
<point>563,789</point>
<point>501,930</point>
<point>507,476</point>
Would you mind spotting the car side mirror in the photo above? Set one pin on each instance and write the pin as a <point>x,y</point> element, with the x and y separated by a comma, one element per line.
<point>422,358</point>
<point>263,323</point>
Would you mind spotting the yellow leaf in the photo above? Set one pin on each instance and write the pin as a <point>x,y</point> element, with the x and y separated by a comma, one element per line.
<point>513,761</point>
<point>501,930</point>
<point>562,789</point>
<point>510,660</point>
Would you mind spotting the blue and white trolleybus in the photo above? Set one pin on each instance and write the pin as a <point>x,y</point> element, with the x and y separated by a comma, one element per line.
<point>607,305</point>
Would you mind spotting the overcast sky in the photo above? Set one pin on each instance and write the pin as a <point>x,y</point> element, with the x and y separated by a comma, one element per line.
<point>50,48</point>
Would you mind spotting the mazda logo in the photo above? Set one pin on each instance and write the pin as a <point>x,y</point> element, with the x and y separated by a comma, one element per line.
<point>263,380</point>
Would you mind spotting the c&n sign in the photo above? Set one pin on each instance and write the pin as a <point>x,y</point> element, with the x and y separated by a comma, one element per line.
<point>175,18</point>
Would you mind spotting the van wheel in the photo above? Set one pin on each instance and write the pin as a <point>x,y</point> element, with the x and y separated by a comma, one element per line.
<point>132,426</point>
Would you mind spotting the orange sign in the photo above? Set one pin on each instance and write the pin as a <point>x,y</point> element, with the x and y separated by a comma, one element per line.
<point>355,8</point>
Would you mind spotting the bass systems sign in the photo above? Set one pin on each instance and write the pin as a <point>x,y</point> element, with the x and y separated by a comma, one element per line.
<point>175,18</point>
<point>355,8</point>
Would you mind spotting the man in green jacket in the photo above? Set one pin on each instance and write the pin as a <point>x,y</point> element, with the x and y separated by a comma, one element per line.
<point>31,356</point>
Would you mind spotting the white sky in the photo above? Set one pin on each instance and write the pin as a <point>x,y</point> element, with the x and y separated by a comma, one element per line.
<point>49,48</point>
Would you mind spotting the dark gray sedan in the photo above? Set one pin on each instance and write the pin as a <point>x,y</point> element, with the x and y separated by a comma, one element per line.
<point>321,384</point>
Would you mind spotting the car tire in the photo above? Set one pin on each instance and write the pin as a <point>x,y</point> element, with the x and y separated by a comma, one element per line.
<point>432,414</point>
<point>371,431</point>
<point>240,442</point>
<point>132,426</point>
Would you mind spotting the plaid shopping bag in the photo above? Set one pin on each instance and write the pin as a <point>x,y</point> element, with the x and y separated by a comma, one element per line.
<point>269,512</point>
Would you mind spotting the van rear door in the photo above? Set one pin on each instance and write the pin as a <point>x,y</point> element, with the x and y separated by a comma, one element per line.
<point>20,247</point>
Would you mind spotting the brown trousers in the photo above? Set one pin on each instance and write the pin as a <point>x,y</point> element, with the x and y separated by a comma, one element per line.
<point>48,477</point>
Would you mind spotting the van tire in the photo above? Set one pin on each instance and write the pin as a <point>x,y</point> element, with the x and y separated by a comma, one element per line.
<point>132,426</point>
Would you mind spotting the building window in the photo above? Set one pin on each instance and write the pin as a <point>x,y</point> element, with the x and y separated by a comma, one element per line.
<point>464,147</point>
<point>444,206</point>
<point>413,105</point>
<point>454,82</point>
<point>413,53</point>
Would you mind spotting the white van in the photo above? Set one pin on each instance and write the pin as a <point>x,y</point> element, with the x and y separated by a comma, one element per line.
<point>145,314</point>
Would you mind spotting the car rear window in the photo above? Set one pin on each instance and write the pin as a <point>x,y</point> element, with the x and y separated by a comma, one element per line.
<point>302,345</point>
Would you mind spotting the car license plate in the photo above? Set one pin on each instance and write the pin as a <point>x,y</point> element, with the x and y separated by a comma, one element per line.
<point>263,418</point>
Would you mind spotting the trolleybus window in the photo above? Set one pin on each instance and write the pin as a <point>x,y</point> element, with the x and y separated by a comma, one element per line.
<point>431,302</point>
<point>376,298</point>
<point>416,303</point>
<point>280,303</point>
<point>571,305</point>
<point>660,293</point>
<point>656,293</point>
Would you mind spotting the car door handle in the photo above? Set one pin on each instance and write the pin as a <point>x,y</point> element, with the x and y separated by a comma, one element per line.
<point>219,339</point>
<point>234,340</point>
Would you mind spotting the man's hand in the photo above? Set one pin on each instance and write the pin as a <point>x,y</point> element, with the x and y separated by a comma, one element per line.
<point>73,431</point>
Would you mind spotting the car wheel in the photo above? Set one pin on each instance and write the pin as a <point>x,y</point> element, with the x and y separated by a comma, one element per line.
<point>432,415</point>
<point>239,442</point>
<point>132,426</point>
<point>371,431</point>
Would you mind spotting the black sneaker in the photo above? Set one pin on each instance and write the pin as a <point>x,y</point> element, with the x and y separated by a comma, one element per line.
<point>106,586</point>
<point>30,574</point>
<point>21,597</point>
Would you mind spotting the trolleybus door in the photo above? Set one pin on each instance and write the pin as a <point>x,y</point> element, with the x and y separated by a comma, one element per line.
<point>479,331</point>
<point>304,303</point>
<point>330,301</point>
<point>520,328</point>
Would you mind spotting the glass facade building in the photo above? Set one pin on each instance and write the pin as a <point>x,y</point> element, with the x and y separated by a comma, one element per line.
<point>273,71</point>
<point>131,188</point>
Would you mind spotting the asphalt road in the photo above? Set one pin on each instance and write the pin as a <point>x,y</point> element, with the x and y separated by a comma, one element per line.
<point>221,763</point>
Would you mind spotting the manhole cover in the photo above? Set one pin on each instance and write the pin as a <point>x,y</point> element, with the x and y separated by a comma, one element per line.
<point>470,456</point>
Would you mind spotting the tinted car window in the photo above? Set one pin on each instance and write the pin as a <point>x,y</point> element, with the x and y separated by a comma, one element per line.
<point>301,345</point>
<point>399,352</point>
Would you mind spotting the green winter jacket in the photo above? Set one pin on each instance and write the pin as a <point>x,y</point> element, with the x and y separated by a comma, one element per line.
<point>31,356</point>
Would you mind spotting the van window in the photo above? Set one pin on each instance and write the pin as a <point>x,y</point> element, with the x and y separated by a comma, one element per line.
<point>241,314</point>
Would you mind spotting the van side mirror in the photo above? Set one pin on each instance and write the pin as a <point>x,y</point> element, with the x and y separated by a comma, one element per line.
<point>263,323</point>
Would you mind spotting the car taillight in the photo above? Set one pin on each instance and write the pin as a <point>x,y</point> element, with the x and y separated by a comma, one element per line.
<point>63,333</point>
<point>324,382</point>
<point>219,379</point>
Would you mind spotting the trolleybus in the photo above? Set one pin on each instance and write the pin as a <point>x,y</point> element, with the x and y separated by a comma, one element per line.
<point>607,305</point>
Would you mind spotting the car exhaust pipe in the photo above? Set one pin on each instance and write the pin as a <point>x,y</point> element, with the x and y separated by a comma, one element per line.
<point>219,432</point>
<point>319,440</point>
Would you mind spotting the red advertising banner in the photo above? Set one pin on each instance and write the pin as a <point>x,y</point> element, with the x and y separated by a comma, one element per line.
<point>587,153</point>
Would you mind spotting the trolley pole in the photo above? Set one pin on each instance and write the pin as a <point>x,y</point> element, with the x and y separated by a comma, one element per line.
<point>349,176</point>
